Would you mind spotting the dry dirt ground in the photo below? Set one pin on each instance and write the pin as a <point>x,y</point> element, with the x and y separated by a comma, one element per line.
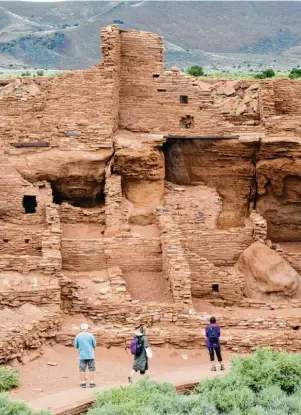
<point>41,382</point>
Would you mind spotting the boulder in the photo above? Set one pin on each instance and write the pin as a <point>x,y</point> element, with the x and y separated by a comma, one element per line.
<point>267,274</point>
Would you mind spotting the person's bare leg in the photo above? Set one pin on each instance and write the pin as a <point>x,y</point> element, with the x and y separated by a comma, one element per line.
<point>82,377</point>
<point>130,378</point>
<point>91,376</point>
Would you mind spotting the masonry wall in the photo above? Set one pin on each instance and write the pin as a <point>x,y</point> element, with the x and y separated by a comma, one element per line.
<point>76,110</point>
<point>128,253</point>
<point>150,98</point>
<point>25,241</point>
<point>12,190</point>
<point>73,214</point>
<point>175,265</point>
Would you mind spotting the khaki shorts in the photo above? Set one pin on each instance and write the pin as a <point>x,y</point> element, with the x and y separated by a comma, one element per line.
<point>87,362</point>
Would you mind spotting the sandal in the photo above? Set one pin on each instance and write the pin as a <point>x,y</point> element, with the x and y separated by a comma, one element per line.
<point>83,384</point>
<point>92,384</point>
<point>130,379</point>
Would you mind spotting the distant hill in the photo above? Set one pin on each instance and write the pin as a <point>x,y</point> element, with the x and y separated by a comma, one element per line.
<point>216,35</point>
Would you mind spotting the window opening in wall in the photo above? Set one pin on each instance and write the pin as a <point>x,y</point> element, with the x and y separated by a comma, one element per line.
<point>161,90</point>
<point>156,75</point>
<point>215,288</point>
<point>29,204</point>
<point>5,241</point>
<point>183,99</point>
<point>26,241</point>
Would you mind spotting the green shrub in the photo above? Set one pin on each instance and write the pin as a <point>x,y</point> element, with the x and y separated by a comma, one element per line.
<point>266,367</point>
<point>40,73</point>
<point>27,73</point>
<point>8,407</point>
<point>295,73</point>
<point>264,383</point>
<point>260,76</point>
<point>195,71</point>
<point>269,73</point>
<point>131,400</point>
<point>9,379</point>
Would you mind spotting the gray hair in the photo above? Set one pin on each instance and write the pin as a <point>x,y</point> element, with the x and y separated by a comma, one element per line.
<point>84,327</point>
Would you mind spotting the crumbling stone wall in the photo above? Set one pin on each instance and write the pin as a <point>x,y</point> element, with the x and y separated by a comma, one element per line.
<point>175,265</point>
<point>155,101</point>
<point>78,109</point>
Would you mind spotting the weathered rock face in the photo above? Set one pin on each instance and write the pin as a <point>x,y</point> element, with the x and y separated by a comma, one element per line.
<point>226,165</point>
<point>144,164</point>
<point>278,173</point>
<point>74,175</point>
<point>267,275</point>
<point>144,196</point>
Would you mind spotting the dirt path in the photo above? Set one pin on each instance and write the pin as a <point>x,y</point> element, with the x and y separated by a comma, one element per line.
<point>54,387</point>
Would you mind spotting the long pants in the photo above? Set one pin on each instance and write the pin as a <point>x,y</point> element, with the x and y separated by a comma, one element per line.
<point>217,352</point>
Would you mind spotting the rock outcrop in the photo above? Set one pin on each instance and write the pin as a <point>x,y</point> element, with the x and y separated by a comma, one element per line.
<point>267,275</point>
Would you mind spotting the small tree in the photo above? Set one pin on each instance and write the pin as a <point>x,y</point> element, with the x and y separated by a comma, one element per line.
<point>269,73</point>
<point>295,73</point>
<point>40,73</point>
<point>195,71</point>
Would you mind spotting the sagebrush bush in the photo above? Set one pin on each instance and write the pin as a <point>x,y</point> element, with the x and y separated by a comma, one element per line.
<point>266,367</point>
<point>9,379</point>
<point>264,383</point>
<point>130,400</point>
<point>8,407</point>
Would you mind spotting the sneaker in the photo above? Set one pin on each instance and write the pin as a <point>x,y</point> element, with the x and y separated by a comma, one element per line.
<point>92,384</point>
<point>83,384</point>
<point>130,379</point>
<point>222,367</point>
<point>213,368</point>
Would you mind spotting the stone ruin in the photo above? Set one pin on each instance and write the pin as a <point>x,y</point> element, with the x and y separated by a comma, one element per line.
<point>131,195</point>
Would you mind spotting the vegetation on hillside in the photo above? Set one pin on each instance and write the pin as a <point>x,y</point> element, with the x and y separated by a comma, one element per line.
<point>195,71</point>
<point>265,383</point>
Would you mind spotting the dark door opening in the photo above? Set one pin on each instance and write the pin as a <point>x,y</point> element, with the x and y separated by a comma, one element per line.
<point>29,204</point>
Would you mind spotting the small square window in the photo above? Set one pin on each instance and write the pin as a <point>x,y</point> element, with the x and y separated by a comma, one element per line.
<point>161,90</point>
<point>215,288</point>
<point>5,241</point>
<point>183,99</point>
<point>156,75</point>
<point>29,204</point>
<point>27,240</point>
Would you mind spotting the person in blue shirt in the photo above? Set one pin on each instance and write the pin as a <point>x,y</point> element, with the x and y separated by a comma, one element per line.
<point>85,343</point>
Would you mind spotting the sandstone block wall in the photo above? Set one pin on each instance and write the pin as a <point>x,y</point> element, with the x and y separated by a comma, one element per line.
<point>113,199</point>
<point>13,188</point>
<point>175,265</point>
<point>73,214</point>
<point>77,110</point>
<point>127,252</point>
<point>260,227</point>
<point>14,241</point>
<point>218,284</point>
<point>150,98</point>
